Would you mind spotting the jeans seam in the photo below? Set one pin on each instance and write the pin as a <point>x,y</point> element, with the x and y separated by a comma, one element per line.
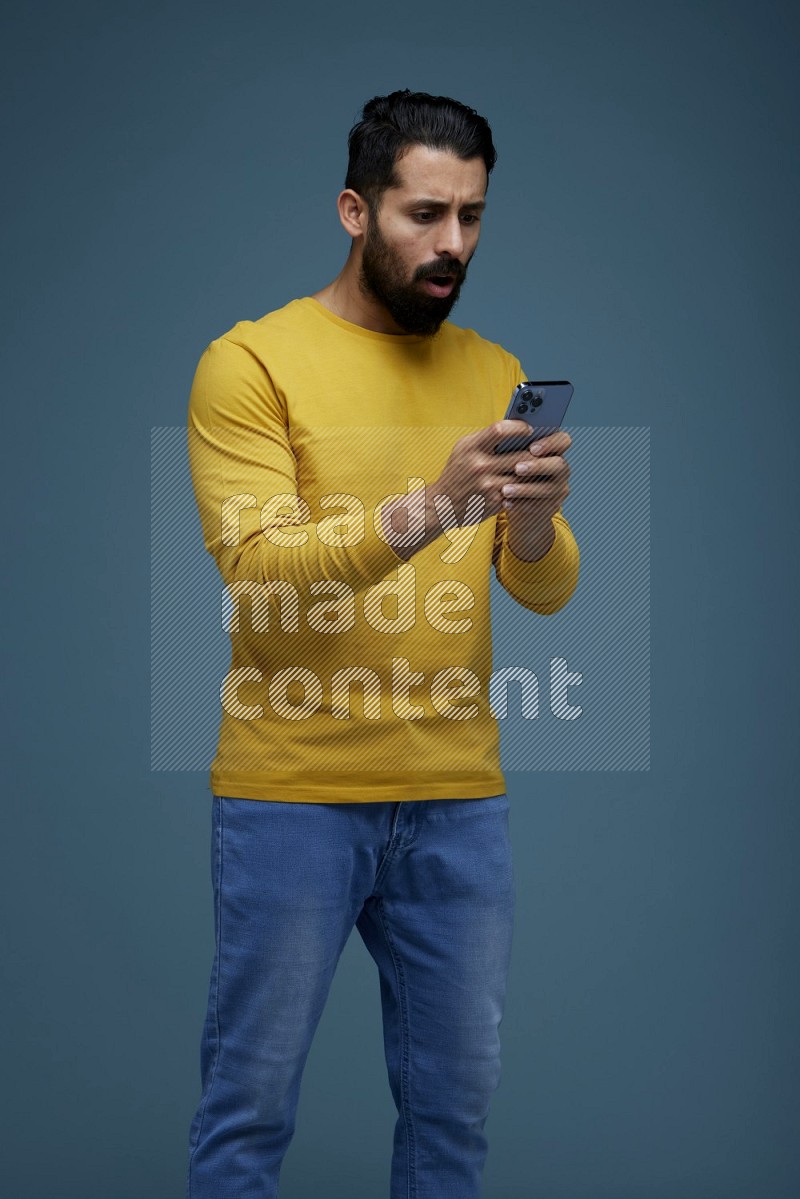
<point>405,1100</point>
<point>218,956</point>
<point>383,866</point>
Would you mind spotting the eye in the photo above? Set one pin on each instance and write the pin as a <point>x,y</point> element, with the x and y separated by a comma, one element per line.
<point>425,218</point>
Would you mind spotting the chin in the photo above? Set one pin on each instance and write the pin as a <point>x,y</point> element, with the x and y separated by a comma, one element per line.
<point>423,319</point>
<point>428,328</point>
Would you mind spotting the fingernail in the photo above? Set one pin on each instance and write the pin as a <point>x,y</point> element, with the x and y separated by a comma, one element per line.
<point>535,447</point>
<point>522,468</point>
<point>509,489</point>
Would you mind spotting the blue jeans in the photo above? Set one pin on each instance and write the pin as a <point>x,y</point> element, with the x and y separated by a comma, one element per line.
<point>429,886</point>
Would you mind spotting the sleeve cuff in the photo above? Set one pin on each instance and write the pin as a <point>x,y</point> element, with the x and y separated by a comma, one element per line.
<point>546,584</point>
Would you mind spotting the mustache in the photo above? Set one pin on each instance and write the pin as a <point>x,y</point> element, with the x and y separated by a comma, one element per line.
<point>444,268</point>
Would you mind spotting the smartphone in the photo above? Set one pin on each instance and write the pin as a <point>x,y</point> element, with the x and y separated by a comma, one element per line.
<point>542,405</point>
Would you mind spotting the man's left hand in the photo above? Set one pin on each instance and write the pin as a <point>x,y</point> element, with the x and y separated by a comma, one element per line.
<point>538,489</point>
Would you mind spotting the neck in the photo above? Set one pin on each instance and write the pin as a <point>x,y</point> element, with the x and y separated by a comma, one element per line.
<point>344,297</point>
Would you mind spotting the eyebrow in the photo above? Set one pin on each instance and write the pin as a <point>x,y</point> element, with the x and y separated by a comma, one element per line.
<point>424,203</point>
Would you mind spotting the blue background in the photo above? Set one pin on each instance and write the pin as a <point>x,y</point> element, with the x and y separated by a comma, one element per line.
<point>173,168</point>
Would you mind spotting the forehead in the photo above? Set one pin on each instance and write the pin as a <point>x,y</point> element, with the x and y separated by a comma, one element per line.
<point>439,175</point>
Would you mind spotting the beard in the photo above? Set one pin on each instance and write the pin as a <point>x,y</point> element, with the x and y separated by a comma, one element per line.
<point>382,277</point>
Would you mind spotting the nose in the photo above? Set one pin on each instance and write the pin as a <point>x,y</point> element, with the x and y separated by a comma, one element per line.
<point>450,240</point>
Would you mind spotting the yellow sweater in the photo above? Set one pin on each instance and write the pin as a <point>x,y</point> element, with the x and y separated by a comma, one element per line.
<point>355,676</point>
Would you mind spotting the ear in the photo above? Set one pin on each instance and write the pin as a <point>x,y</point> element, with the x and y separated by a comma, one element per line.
<point>353,212</point>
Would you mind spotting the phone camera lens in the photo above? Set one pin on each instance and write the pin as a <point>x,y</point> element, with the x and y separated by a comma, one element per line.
<point>522,407</point>
<point>526,395</point>
<point>537,399</point>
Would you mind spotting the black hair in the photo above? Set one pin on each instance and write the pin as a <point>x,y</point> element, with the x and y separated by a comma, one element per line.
<point>390,124</point>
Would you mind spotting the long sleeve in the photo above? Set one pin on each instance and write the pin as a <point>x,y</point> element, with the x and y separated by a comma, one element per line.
<point>240,458</point>
<point>543,586</point>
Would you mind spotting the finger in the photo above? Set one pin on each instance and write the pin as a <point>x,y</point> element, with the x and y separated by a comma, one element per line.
<point>535,468</point>
<point>509,462</point>
<point>540,487</point>
<point>557,442</point>
<point>529,490</point>
<point>488,438</point>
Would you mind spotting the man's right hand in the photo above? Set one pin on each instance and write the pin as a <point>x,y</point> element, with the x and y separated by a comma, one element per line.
<point>473,471</point>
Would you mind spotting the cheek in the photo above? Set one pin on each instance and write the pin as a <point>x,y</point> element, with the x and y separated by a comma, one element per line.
<point>411,245</point>
<point>414,252</point>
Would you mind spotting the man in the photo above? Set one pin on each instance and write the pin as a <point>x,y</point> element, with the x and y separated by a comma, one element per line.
<point>342,454</point>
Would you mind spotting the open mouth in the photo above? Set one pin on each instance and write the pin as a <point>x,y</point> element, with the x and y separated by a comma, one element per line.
<point>440,285</point>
